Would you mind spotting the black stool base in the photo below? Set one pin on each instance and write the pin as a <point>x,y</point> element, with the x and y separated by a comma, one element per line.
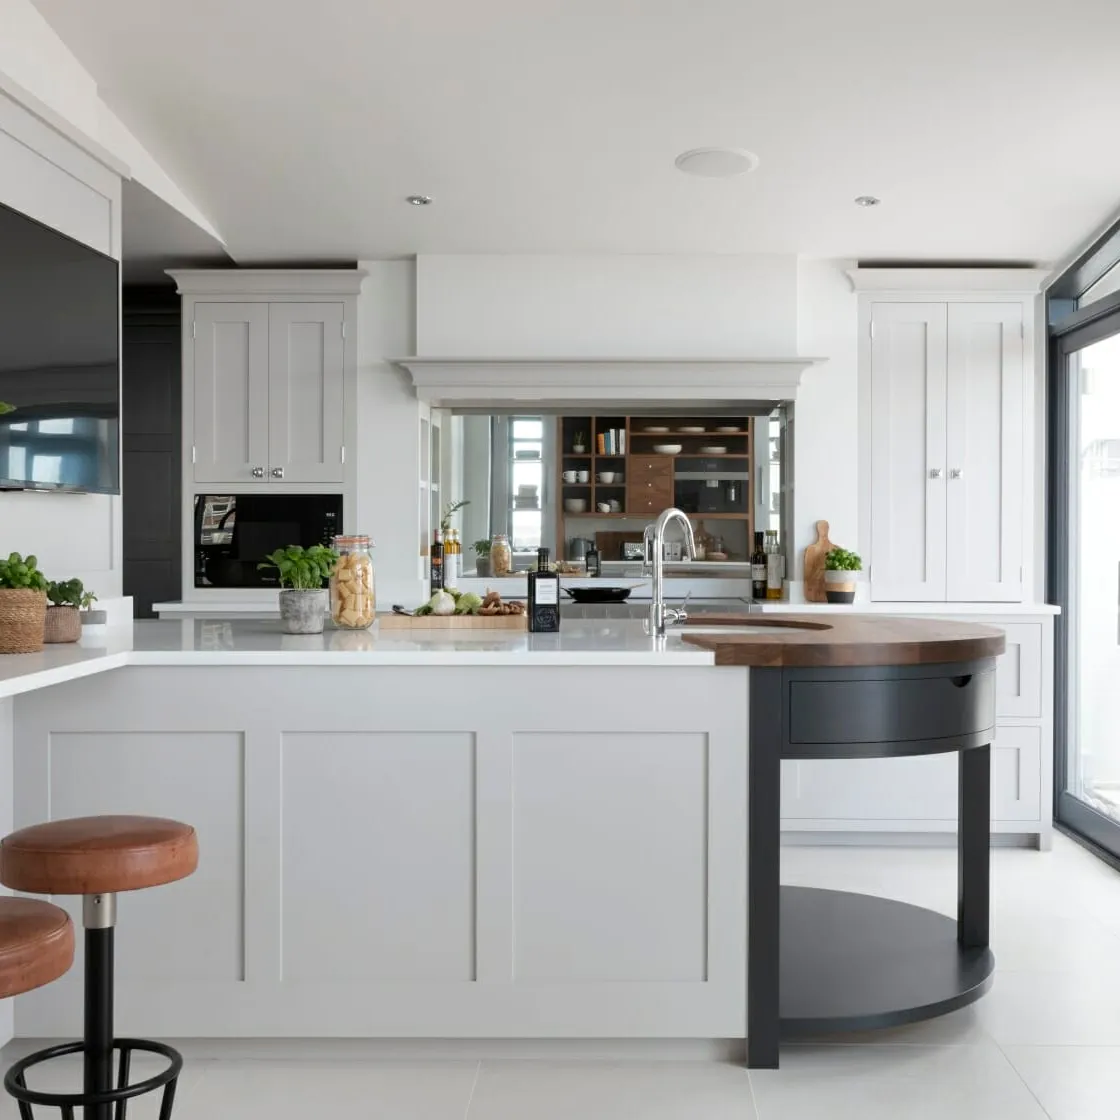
<point>114,1100</point>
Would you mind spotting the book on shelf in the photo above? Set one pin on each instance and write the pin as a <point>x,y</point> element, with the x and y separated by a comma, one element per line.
<point>601,443</point>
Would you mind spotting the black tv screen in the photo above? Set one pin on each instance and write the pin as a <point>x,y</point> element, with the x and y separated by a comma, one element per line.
<point>59,361</point>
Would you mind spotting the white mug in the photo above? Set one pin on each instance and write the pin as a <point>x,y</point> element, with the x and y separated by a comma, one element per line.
<point>585,476</point>
<point>569,476</point>
<point>604,507</point>
<point>616,506</point>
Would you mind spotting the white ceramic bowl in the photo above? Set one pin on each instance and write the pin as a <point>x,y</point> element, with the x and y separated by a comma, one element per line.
<point>693,431</point>
<point>604,507</point>
<point>729,430</point>
<point>607,477</point>
<point>713,450</point>
<point>575,505</point>
<point>656,430</point>
<point>667,448</point>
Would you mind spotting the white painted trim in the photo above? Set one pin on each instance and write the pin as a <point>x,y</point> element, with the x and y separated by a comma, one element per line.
<point>932,284</point>
<point>263,282</point>
<point>43,112</point>
<point>678,382</point>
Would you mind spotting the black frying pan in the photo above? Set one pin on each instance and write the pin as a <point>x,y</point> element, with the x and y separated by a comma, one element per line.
<point>598,594</point>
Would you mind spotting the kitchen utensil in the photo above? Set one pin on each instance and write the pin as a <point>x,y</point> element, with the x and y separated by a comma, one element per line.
<point>667,448</point>
<point>575,505</point>
<point>615,505</point>
<point>398,609</point>
<point>694,431</point>
<point>584,476</point>
<point>714,450</point>
<point>655,431</point>
<point>603,507</point>
<point>569,476</point>
<point>728,430</point>
<point>578,548</point>
<point>632,550</point>
<point>814,565</point>
<point>606,477</point>
<point>598,594</point>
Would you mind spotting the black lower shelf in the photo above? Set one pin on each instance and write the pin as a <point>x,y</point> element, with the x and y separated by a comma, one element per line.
<point>853,962</point>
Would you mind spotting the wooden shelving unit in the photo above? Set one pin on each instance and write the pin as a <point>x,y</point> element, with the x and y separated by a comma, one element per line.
<point>689,493</point>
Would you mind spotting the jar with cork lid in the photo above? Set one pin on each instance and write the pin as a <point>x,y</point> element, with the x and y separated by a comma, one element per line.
<point>353,597</point>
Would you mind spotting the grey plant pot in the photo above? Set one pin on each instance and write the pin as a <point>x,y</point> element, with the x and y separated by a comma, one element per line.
<point>482,567</point>
<point>840,587</point>
<point>303,612</point>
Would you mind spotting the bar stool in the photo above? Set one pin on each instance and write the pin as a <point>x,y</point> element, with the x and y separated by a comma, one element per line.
<point>98,857</point>
<point>36,944</point>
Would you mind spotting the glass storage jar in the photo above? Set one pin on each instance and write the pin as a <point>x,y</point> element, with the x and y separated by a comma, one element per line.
<point>501,556</point>
<point>353,599</point>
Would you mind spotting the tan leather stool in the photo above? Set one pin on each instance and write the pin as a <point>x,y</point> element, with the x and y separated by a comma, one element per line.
<point>36,944</point>
<point>98,857</point>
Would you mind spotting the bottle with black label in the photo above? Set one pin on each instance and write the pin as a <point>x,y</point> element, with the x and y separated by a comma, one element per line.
<point>436,558</point>
<point>544,596</point>
<point>758,569</point>
<point>591,560</point>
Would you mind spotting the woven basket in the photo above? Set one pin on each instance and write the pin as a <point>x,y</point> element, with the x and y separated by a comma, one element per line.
<point>22,620</point>
<point>64,624</point>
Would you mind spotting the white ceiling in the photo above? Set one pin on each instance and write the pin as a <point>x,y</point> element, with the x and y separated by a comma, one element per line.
<point>299,127</point>
<point>156,236</point>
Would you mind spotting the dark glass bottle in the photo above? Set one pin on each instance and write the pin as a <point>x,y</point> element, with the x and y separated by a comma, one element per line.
<point>594,567</point>
<point>436,558</point>
<point>544,597</point>
<point>758,569</point>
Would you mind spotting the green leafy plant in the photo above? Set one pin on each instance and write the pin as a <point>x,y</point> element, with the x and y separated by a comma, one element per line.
<point>841,560</point>
<point>70,593</point>
<point>449,512</point>
<point>302,569</point>
<point>21,573</point>
<point>5,408</point>
<point>579,439</point>
<point>481,548</point>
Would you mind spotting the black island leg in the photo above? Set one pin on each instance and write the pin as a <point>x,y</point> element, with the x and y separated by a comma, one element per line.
<point>764,811</point>
<point>974,846</point>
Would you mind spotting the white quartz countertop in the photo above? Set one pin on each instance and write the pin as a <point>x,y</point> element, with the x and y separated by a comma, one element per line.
<point>197,642</point>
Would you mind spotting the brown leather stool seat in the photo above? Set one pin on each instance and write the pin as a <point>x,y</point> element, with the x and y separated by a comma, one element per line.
<point>98,855</point>
<point>36,944</point>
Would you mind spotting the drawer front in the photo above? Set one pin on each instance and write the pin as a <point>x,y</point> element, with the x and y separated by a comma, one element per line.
<point>647,502</point>
<point>1019,671</point>
<point>891,710</point>
<point>647,467</point>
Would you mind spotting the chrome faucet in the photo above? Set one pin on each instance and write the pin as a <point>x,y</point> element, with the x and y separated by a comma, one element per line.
<point>661,616</point>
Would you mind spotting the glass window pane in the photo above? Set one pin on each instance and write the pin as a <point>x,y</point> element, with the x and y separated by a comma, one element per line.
<point>528,428</point>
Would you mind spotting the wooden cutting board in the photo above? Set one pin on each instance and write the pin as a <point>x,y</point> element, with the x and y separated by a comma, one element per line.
<point>814,565</point>
<point>452,622</point>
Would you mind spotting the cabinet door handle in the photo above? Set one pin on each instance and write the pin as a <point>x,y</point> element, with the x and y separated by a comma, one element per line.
<point>258,472</point>
<point>277,472</point>
<point>935,472</point>
<point>956,472</point>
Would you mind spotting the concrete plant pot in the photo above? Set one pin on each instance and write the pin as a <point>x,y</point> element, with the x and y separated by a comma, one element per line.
<point>840,587</point>
<point>303,612</point>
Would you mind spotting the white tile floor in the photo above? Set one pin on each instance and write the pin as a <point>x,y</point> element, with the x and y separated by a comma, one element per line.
<point>1044,1043</point>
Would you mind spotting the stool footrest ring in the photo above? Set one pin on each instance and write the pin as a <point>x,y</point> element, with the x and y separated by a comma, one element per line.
<point>15,1081</point>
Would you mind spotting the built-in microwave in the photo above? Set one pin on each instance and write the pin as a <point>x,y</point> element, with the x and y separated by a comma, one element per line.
<point>234,532</point>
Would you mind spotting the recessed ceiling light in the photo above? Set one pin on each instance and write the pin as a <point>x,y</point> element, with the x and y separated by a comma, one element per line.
<point>867,200</point>
<point>419,200</point>
<point>717,163</point>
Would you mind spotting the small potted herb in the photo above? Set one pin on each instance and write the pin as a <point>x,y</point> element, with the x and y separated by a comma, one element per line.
<point>303,576</point>
<point>68,599</point>
<point>482,559</point>
<point>23,604</point>
<point>579,443</point>
<point>5,408</point>
<point>841,570</point>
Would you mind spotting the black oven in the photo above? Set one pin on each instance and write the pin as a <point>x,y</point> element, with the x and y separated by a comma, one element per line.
<point>234,532</point>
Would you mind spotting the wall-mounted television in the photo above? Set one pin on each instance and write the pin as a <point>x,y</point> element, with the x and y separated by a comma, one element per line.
<point>59,361</point>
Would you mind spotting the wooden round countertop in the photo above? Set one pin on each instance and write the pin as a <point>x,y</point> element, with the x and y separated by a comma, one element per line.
<point>844,641</point>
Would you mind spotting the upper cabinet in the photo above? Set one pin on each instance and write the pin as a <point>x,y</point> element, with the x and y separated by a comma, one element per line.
<point>947,476</point>
<point>269,375</point>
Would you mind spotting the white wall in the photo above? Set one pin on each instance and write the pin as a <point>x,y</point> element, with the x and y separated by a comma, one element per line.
<point>606,306</point>
<point>389,430</point>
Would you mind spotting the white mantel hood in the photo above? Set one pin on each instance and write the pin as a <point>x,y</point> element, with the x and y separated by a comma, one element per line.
<point>556,382</point>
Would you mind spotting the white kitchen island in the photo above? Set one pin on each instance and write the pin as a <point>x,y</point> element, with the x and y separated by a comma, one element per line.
<point>493,835</point>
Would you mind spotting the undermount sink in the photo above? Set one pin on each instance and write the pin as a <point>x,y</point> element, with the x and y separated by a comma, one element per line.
<point>729,631</point>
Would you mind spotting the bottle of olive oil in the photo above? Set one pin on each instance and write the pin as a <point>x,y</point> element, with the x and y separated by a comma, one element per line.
<point>544,596</point>
<point>758,568</point>
<point>435,559</point>
<point>452,559</point>
<point>775,565</point>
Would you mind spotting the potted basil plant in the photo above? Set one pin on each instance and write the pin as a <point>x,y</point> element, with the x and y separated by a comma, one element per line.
<point>23,604</point>
<point>303,576</point>
<point>482,559</point>
<point>68,598</point>
<point>841,571</point>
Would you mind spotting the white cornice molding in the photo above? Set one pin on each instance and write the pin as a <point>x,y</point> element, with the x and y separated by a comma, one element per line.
<point>268,281</point>
<point>491,382</point>
<point>1021,281</point>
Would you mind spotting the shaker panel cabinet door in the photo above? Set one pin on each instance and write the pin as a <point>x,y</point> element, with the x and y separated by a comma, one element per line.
<point>984,463</point>
<point>306,395</point>
<point>908,483</point>
<point>230,392</point>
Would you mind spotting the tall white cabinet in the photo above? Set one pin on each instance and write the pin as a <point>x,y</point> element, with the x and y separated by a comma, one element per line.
<point>945,385</point>
<point>269,376</point>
